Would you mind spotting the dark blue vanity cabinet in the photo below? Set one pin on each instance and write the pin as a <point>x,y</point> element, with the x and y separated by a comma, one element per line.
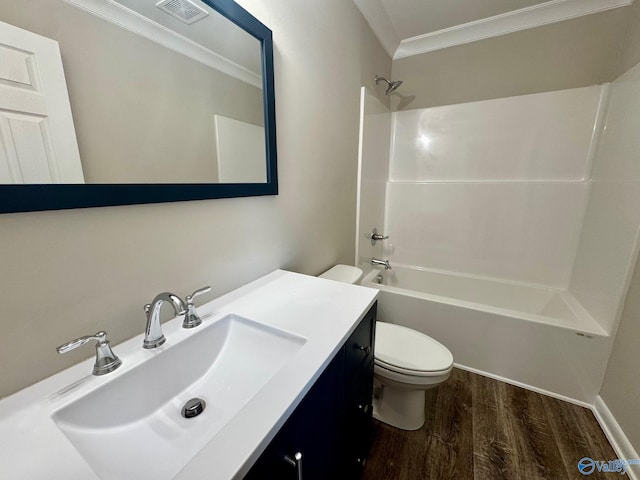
<point>329,434</point>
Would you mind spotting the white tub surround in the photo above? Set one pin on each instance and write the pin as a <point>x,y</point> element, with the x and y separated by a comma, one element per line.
<point>544,137</point>
<point>604,274</point>
<point>522,232</point>
<point>536,337</point>
<point>373,164</point>
<point>495,188</point>
<point>323,312</point>
<point>609,241</point>
<point>538,189</point>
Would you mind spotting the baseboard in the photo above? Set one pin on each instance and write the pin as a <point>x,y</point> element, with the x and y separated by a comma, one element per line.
<point>616,436</point>
<point>525,386</point>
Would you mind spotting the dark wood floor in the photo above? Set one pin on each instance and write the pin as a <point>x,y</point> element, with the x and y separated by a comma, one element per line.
<point>481,429</point>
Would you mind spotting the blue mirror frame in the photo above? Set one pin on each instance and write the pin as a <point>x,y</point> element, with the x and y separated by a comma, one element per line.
<point>28,198</point>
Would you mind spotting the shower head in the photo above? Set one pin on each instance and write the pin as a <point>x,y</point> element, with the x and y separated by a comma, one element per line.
<point>392,85</point>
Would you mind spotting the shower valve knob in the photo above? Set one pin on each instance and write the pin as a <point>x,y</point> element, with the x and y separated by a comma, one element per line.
<point>375,236</point>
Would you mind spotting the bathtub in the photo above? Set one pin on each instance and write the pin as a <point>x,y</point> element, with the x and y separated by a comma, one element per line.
<point>527,335</point>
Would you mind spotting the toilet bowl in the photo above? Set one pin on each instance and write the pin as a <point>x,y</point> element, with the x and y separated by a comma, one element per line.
<point>406,364</point>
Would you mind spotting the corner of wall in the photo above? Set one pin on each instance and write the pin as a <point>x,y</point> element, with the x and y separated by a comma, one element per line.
<point>616,436</point>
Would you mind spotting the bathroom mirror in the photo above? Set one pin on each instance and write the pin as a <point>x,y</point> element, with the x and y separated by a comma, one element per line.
<point>170,100</point>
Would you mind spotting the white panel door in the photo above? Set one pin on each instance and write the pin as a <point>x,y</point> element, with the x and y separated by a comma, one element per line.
<point>37,138</point>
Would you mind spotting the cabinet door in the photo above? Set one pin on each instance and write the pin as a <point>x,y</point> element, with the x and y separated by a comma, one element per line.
<point>359,355</point>
<point>312,431</point>
<point>272,463</point>
<point>358,421</point>
<point>359,346</point>
<point>320,422</point>
<point>331,427</point>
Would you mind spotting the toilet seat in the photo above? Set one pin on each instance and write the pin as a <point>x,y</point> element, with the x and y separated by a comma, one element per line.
<point>408,352</point>
<point>413,373</point>
<point>410,382</point>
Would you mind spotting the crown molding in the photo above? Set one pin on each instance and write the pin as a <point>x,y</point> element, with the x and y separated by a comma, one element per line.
<point>140,25</point>
<point>523,19</point>
<point>376,16</point>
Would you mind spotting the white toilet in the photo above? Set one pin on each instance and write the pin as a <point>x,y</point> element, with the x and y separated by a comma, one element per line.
<point>406,363</point>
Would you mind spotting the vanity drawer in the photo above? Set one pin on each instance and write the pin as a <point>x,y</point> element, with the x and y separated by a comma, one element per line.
<point>359,346</point>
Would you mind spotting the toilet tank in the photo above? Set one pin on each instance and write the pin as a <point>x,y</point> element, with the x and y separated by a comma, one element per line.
<point>343,273</point>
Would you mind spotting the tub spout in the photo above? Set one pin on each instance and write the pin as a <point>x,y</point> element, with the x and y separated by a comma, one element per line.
<point>381,263</point>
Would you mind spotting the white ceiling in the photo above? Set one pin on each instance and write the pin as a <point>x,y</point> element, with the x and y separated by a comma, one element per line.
<point>411,18</point>
<point>412,27</point>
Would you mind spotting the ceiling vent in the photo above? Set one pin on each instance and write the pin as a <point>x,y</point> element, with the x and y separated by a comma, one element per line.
<point>184,10</point>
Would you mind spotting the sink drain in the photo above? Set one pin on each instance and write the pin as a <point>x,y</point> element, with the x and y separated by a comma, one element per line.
<point>193,408</point>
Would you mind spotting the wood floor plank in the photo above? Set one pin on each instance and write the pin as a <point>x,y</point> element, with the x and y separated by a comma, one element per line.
<point>401,455</point>
<point>493,454</point>
<point>419,441</point>
<point>578,435</point>
<point>387,452</point>
<point>535,445</point>
<point>450,455</point>
<point>478,428</point>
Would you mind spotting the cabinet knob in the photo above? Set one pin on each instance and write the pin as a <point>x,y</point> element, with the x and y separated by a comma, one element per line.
<point>365,408</point>
<point>296,462</point>
<point>366,349</point>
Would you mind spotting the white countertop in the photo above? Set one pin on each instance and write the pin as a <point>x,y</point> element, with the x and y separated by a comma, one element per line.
<point>325,312</point>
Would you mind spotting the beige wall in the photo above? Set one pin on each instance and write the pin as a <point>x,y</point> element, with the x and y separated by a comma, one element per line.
<point>621,389</point>
<point>137,106</point>
<point>575,53</point>
<point>70,273</point>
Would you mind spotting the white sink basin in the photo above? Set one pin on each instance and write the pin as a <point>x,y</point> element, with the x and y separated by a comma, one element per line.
<point>132,428</point>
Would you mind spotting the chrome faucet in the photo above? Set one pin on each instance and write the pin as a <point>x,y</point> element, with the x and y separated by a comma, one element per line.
<point>381,263</point>
<point>153,336</point>
<point>106,360</point>
<point>376,237</point>
<point>191,318</point>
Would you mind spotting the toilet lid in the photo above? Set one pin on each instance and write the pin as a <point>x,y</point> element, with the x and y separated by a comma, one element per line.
<point>404,349</point>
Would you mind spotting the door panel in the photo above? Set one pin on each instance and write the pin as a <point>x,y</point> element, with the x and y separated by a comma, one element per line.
<point>38,140</point>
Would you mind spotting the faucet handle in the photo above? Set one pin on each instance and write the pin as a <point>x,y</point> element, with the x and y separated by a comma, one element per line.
<point>106,360</point>
<point>191,318</point>
<point>78,342</point>
<point>375,236</point>
<point>200,291</point>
